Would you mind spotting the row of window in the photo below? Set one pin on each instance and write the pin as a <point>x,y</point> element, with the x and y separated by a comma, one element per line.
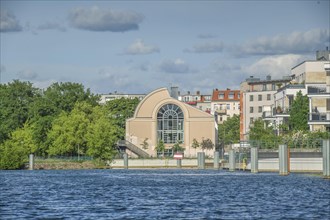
<point>226,106</point>
<point>231,95</point>
<point>269,97</point>
<point>259,109</point>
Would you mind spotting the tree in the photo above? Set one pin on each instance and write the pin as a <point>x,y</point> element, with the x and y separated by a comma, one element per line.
<point>101,136</point>
<point>229,131</point>
<point>14,151</point>
<point>160,147</point>
<point>120,110</point>
<point>15,101</point>
<point>299,113</point>
<point>207,144</point>
<point>69,131</point>
<point>262,134</point>
<point>145,144</point>
<point>195,144</point>
<point>177,147</point>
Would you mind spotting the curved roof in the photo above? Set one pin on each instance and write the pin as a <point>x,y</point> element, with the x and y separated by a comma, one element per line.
<point>150,105</point>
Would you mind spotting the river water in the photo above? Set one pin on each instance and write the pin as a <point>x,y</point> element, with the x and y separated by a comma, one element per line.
<point>161,194</point>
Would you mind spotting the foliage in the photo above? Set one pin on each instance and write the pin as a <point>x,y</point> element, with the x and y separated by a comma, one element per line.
<point>228,132</point>
<point>120,110</point>
<point>15,101</point>
<point>14,152</point>
<point>263,134</point>
<point>160,146</point>
<point>69,130</point>
<point>145,144</point>
<point>177,148</point>
<point>101,136</point>
<point>299,113</point>
<point>207,144</point>
<point>195,144</point>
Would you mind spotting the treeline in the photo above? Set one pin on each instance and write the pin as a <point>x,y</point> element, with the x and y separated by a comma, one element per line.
<point>63,120</point>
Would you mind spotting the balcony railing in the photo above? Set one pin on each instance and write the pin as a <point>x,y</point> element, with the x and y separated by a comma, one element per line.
<point>316,90</point>
<point>319,117</point>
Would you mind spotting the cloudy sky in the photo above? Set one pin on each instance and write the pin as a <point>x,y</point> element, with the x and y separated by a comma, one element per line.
<point>138,46</point>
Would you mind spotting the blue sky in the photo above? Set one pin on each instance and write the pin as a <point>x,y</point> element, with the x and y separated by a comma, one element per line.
<point>138,46</point>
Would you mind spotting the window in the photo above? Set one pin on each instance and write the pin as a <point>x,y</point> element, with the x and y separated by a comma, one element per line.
<point>269,97</point>
<point>221,95</point>
<point>170,124</point>
<point>251,109</point>
<point>239,106</point>
<point>273,86</point>
<point>259,97</point>
<point>251,98</point>
<point>251,120</point>
<point>238,95</point>
<point>260,109</point>
<point>228,106</point>
<point>231,95</point>
<point>264,87</point>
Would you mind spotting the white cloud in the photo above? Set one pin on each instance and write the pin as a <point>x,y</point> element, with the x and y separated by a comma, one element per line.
<point>97,19</point>
<point>139,47</point>
<point>295,42</point>
<point>8,22</point>
<point>208,47</point>
<point>276,66</point>
<point>175,66</point>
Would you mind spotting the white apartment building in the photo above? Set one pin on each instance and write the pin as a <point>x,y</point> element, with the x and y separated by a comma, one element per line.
<point>225,104</point>
<point>256,97</point>
<point>316,77</point>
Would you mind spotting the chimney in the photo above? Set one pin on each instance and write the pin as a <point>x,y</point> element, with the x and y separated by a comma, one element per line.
<point>188,92</point>
<point>198,93</point>
<point>174,92</point>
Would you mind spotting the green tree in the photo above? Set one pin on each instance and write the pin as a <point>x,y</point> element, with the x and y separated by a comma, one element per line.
<point>101,136</point>
<point>262,135</point>
<point>14,151</point>
<point>195,144</point>
<point>299,113</point>
<point>68,133</point>
<point>229,131</point>
<point>207,144</point>
<point>145,144</point>
<point>177,147</point>
<point>160,147</point>
<point>120,110</point>
<point>15,101</point>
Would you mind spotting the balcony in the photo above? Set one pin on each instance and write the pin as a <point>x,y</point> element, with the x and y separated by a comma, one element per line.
<point>221,111</point>
<point>319,117</point>
<point>317,91</point>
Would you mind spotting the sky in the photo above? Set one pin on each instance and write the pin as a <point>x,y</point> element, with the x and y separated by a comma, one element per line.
<point>139,46</point>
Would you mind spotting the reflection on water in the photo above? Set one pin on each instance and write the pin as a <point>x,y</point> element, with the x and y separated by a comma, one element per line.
<point>161,194</point>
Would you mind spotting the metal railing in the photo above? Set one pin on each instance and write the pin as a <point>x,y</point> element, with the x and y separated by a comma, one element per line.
<point>138,151</point>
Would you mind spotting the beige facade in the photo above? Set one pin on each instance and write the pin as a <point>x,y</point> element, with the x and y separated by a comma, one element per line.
<point>144,125</point>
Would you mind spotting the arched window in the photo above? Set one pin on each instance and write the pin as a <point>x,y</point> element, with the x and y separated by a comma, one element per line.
<point>170,124</point>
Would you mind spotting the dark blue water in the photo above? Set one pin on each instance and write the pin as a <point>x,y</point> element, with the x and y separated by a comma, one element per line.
<point>161,194</point>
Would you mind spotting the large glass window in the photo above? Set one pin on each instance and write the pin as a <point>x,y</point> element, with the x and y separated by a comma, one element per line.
<point>170,124</point>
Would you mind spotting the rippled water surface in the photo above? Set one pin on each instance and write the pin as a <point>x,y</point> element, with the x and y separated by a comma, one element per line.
<point>161,194</point>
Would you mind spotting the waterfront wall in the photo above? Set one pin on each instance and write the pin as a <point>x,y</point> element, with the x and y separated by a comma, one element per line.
<point>266,165</point>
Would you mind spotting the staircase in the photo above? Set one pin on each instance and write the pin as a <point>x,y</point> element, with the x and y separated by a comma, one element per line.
<point>138,151</point>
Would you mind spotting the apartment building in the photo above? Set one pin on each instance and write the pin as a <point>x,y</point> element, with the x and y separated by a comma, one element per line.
<point>315,75</point>
<point>112,96</point>
<point>278,113</point>
<point>257,96</point>
<point>225,104</point>
<point>197,100</point>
